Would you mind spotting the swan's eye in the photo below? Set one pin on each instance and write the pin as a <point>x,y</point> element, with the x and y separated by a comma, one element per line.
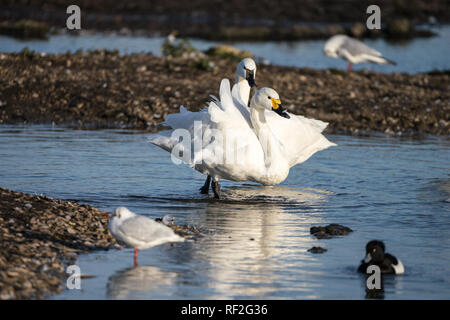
<point>270,98</point>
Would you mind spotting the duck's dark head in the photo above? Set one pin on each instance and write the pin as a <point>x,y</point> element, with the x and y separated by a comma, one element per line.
<point>375,251</point>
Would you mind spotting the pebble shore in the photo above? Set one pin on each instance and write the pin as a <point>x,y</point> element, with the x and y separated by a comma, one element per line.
<point>40,237</point>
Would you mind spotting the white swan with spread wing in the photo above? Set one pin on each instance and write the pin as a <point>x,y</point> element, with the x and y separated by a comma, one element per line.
<point>257,144</point>
<point>185,119</point>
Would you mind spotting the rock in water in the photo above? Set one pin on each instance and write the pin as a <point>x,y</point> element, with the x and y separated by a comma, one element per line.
<point>330,230</point>
<point>317,250</point>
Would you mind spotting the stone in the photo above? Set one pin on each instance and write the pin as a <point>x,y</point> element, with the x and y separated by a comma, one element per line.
<point>317,250</point>
<point>329,231</point>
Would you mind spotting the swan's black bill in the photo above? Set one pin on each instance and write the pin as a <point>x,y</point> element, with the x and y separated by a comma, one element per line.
<point>250,77</point>
<point>281,112</point>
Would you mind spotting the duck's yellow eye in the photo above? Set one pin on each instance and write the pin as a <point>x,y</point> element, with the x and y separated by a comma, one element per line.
<point>374,250</point>
<point>275,103</point>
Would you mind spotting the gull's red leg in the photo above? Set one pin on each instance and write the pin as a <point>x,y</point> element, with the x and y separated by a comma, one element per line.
<point>135,257</point>
<point>349,67</point>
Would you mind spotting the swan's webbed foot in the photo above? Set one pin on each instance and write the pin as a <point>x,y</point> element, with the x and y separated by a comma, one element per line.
<point>216,189</point>
<point>205,188</point>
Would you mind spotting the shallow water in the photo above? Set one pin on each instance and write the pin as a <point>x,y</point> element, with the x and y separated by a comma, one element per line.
<point>393,189</point>
<point>417,55</point>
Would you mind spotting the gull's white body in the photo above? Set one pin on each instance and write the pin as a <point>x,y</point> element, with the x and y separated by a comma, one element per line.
<point>139,232</point>
<point>352,50</point>
<point>266,145</point>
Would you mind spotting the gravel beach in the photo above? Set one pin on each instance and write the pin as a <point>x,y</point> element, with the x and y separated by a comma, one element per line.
<point>104,89</point>
<point>39,237</point>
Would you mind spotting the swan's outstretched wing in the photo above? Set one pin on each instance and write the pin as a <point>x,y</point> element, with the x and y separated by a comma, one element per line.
<point>196,124</point>
<point>185,119</point>
<point>318,124</point>
<point>230,113</point>
<point>300,136</point>
<point>221,121</point>
<point>164,140</point>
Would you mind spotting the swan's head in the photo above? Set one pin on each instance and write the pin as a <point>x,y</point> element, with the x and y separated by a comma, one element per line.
<point>122,213</point>
<point>332,45</point>
<point>246,70</point>
<point>267,98</point>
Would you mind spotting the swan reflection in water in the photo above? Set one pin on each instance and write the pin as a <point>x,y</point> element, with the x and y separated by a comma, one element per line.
<point>263,230</point>
<point>259,233</point>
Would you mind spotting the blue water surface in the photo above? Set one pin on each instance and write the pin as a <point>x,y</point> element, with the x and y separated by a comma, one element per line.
<point>389,188</point>
<point>416,55</point>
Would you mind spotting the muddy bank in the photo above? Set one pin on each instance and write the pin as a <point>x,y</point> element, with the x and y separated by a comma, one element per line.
<point>40,237</point>
<point>103,89</point>
<point>237,20</point>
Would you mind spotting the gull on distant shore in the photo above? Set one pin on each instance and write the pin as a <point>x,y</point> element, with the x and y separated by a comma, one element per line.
<point>352,50</point>
<point>139,232</point>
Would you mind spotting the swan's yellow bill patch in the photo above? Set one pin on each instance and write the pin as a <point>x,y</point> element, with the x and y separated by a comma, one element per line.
<point>275,103</point>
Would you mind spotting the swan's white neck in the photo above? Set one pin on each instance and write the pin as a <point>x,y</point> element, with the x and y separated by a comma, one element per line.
<point>276,166</point>
<point>244,89</point>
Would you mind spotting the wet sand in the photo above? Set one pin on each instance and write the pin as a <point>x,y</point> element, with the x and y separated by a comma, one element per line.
<point>103,89</point>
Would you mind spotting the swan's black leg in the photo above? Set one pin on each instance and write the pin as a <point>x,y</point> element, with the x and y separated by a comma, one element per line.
<point>205,188</point>
<point>216,188</point>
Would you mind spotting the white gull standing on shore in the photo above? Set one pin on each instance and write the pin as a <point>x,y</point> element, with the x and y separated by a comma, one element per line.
<point>139,232</point>
<point>352,50</point>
